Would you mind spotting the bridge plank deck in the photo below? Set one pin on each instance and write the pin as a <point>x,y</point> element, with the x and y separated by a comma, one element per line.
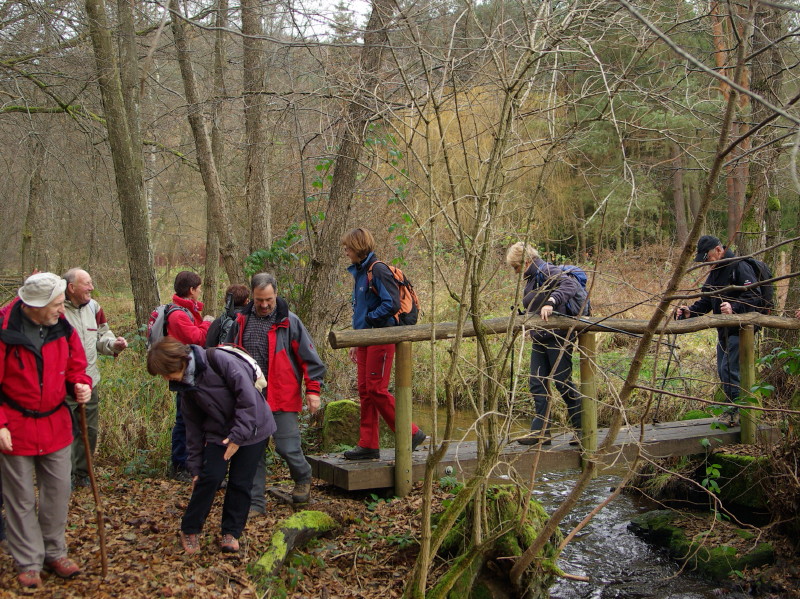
<point>660,440</point>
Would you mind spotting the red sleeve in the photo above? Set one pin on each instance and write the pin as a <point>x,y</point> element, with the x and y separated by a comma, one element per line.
<point>3,418</point>
<point>185,330</point>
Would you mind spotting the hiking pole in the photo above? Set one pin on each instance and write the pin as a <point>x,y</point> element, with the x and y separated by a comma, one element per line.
<point>666,374</point>
<point>607,327</point>
<point>101,529</point>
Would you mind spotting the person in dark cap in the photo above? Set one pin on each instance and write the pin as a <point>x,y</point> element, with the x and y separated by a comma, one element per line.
<point>720,301</point>
<point>41,360</point>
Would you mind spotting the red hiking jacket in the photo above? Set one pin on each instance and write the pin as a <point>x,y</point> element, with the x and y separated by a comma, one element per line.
<point>191,331</point>
<point>38,381</point>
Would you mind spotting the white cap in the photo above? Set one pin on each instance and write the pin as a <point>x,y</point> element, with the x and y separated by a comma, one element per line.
<point>41,289</point>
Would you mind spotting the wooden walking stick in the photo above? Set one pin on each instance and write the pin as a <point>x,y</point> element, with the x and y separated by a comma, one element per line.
<point>101,529</point>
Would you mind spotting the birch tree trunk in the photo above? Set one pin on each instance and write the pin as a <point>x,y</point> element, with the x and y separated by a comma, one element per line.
<point>231,255</point>
<point>127,158</point>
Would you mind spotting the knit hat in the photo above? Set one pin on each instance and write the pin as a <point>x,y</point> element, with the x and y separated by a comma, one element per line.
<point>40,289</point>
<point>704,245</point>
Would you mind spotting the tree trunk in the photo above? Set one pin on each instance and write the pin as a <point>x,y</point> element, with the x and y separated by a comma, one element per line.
<point>211,274</point>
<point>127,158</point>
<point>316,303</point>
<point>231,254</point>
<point>679,201</point>
<point>767,82</point>
<point>259,206</point>
<point>33,228</point>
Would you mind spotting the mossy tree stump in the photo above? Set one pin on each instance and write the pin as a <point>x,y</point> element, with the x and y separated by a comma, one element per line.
<point>476,571</point>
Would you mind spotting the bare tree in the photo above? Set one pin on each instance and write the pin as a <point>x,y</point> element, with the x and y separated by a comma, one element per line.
<point>230,251</point>
<point>323,273</point>
<point>127,156</point>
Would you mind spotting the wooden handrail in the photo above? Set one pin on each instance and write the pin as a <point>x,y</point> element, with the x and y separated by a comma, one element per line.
<point>447,330</point>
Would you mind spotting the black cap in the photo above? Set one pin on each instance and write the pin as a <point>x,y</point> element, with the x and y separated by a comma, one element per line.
<point>704,245</point>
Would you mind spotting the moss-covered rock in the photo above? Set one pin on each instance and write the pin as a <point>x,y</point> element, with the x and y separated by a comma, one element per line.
<point>740,481</point>
<point>718,562</point>
<point>340,424</point>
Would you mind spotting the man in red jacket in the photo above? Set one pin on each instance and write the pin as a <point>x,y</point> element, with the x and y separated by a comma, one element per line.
<point>41,359</point>
<point>188,326</point>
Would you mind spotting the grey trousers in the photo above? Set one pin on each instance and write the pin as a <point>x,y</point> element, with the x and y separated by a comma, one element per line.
<point>288,446</point>
<point>36,536</point>
<point>79,464</point>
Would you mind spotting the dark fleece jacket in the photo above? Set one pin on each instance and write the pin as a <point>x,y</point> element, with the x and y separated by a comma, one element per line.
<point>221,406</point>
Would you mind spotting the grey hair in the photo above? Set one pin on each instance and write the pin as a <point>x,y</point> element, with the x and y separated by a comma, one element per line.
<point>520,254</point>
<point>262,280</point>
<point>72,274</point>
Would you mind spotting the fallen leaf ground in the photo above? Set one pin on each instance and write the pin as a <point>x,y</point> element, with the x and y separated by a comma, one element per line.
<point>370,556</point>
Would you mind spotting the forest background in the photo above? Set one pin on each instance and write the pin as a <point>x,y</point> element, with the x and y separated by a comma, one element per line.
<point>141,138</point>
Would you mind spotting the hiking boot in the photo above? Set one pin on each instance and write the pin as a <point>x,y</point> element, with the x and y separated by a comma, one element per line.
<point>80,481</point>
<point>301,492</point>
<point>190,542</point>
<point>417,438</point>
<point>229,544</point>
<point>63,567</point>
<point>730,417</point>
<point>535,438</point>
<point>362,453</point>
<point>29,579</point>
<point>182,475</point>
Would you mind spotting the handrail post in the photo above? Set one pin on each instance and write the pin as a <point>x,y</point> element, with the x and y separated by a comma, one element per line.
<point>402,419</point>
<point>587,345</point>
<point>747,368</point>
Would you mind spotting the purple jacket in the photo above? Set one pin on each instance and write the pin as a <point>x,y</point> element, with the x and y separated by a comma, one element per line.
<point>220,406</point>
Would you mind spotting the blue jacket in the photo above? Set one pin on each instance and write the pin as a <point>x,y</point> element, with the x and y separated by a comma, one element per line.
<point>376,307</point>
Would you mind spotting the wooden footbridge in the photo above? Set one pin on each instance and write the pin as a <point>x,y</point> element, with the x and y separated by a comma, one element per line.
<point>651,441</point>
<point>399,468</point>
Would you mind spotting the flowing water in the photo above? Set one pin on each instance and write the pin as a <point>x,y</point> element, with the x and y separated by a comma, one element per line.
<point>619,564</point>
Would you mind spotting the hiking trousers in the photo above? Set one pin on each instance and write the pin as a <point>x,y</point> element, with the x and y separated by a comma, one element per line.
<point>288,445</point>
<point>240,469</point>
<point>80,465</point>
<point>550,364</point>
<point>728,365</point>
<point>374,372</point>
<point>36,535</point>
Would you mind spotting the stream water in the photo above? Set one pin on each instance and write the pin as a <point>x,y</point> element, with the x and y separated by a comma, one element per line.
<point>618,563</point>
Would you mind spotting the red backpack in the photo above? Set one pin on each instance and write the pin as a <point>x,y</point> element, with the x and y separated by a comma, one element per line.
<point>409,302</point>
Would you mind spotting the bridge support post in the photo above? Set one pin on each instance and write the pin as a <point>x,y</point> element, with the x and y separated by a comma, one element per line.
<point>587,345</point>
<point>402,419</point>
<point>747,367</point>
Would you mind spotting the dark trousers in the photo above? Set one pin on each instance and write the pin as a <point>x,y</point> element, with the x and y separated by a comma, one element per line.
<point>178,438</point>
<point>240,469</point>
<point>728,364</point>
<point>546,365</point>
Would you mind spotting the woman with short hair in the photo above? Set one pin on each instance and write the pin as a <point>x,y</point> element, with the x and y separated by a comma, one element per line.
<point>228,424</point>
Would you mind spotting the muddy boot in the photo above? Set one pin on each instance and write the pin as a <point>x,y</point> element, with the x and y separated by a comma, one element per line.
<point>301,492</point>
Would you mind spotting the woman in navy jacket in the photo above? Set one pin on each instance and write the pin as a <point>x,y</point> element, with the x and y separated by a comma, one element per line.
<point>228,424</point>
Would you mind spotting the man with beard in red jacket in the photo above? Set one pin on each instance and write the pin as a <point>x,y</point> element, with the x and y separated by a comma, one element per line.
<point>41,360</point>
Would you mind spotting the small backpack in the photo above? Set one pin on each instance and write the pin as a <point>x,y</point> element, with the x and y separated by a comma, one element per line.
<point>157,324</point>
<point>767,290</point>
<point>409,302</point>
<point>581,298</point>
<point>259,380</point>
<point>223,328</point>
